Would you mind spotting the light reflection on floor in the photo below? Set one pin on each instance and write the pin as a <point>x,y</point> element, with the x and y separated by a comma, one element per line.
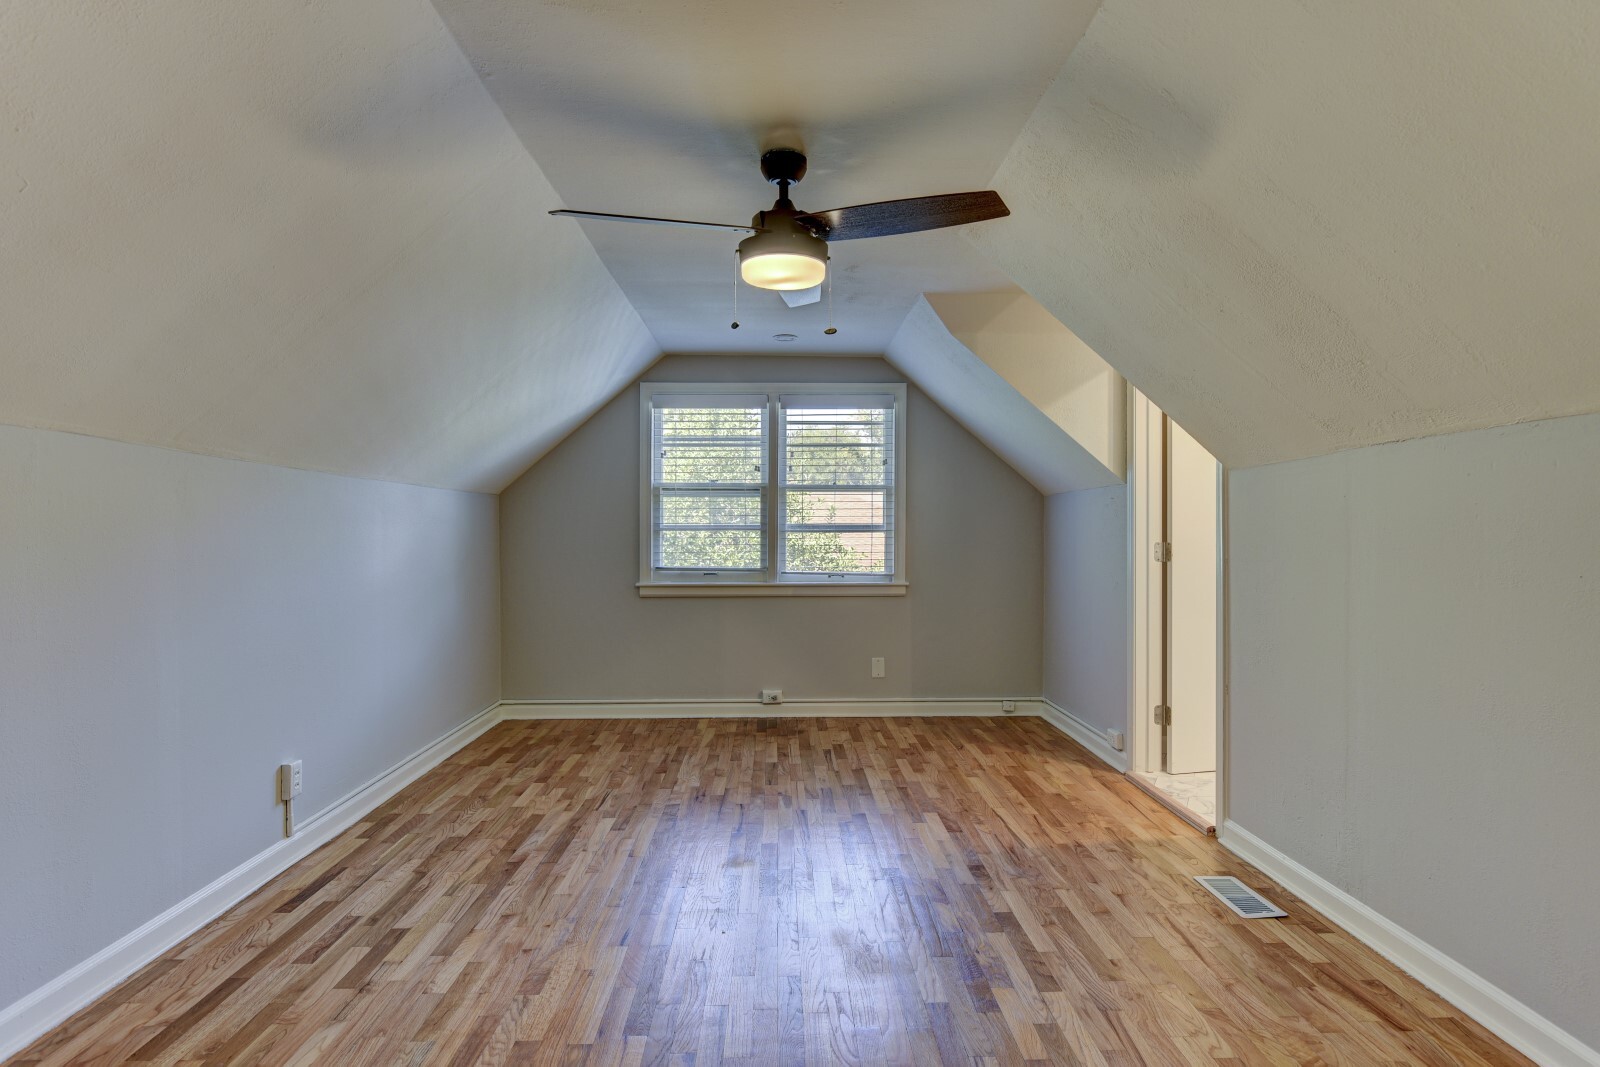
<point>1197,792</point>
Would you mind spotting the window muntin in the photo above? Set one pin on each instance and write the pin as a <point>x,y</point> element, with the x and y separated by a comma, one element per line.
<point>795,485</point>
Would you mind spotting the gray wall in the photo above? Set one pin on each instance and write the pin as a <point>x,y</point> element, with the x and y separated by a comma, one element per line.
<point>1086,604</point>
<point>172,627</point>
<point>575,627</point>
<point>1415,660</point>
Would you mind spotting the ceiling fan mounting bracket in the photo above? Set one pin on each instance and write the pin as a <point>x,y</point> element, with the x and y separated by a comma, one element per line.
<point>783,165</point>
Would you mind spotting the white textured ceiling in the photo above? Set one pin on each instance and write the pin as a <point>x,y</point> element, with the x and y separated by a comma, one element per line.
<point>662,109</point>
<point>306,234</point>
<point>215,237</point>
<point>1307,227</point>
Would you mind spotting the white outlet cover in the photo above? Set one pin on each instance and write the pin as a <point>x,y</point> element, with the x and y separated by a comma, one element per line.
<point>289,780</point>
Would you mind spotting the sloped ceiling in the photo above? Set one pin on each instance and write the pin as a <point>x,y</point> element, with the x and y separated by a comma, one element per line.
<point>307,234</point>
<point>1307,227</point>
<point>216,236</point>
<point>1047,364</point>
<point>991,409</point>
<point>662,108</point>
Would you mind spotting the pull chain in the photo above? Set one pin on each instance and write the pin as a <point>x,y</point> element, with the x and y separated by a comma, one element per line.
<point>735,325</point>
<point>831,330</point>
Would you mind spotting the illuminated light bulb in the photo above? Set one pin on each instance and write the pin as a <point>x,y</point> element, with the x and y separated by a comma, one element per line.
<point>783,270</point>
<point>784,254</point>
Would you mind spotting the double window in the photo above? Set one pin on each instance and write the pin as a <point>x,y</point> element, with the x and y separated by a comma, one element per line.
<point>765,490</point>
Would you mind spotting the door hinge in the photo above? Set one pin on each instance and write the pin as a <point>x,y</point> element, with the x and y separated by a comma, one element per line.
<point>1163,551</point>
<point>1163,715</point>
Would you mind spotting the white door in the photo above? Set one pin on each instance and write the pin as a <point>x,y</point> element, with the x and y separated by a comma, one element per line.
<point>1193,480</point>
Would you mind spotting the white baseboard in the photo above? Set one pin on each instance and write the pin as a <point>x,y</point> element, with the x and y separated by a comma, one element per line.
<point>1090,737</point>
<point>26,1020</point>
<point>1501,1013</point>
<point>752,709</point>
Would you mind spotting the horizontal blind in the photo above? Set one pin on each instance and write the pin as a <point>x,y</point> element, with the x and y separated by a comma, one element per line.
<point>836,491</point>
<point>708,460</point>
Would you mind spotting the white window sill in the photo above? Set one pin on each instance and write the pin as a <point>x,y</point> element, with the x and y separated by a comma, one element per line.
<point>732,589</point>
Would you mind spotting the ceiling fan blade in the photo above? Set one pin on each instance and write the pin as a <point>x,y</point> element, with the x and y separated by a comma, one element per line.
<point>603,216</point>
<point>888,217</point>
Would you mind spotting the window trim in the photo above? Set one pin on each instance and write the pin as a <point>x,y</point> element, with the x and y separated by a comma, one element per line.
<point>743,583</point>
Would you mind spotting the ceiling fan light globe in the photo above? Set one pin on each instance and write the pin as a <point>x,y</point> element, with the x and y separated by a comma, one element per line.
<point>782,270</point>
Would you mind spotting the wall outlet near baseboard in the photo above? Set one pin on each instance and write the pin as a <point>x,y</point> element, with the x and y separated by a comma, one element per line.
<point>877,666</point>
<point>772,696</point>
<point>1008,707</point>
<point>290,780</point>
<point>1115,737</point>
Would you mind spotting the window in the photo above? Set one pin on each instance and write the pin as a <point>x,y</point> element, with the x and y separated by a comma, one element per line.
<point>793,489</point>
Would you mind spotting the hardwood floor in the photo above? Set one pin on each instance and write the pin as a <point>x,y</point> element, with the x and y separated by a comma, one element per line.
<point>796,891</point>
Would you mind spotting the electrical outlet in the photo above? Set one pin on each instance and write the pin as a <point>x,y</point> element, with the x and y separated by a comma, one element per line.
<point>1115,737</point>
<point>772,696</point>
<point>290,780</point>
<point>877,666</point>
<point>1008,707</point>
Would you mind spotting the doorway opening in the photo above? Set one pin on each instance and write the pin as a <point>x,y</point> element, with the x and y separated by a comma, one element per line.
<point>1177,531</point>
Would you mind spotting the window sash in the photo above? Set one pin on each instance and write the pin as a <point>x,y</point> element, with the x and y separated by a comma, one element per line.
<point>688,441</point>
<point>801,413</point>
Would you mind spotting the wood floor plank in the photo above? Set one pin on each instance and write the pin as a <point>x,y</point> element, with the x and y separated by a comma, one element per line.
<point>763,892</point>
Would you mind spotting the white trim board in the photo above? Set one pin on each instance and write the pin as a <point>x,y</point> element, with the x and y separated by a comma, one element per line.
<point>28,1019</point>
<point>1499,1012</point>
<point>728,589</point>
<point>753,709</point>
<point>1090,737</point>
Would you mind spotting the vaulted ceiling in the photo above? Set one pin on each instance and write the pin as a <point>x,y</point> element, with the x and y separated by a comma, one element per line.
<point>215,235</point>
<point>315,235</point>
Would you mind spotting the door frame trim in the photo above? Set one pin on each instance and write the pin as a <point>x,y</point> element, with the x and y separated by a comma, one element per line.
<point>1143,676</point>
<point>1145,596</point>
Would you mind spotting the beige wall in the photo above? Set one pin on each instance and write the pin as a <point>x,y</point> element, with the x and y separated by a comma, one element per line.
<point>575,627</point>
<point>1086,605</point>
<point>1413,673</point>
<point>172,627</point>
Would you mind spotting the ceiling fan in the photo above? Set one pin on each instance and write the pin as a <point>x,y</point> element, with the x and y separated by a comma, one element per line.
<point>788,248</point>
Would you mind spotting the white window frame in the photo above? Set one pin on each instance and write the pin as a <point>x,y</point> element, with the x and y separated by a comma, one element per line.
<point>771,582</point>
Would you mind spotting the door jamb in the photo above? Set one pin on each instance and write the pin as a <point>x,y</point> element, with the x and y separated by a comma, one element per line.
<point>1222,646</point>
<point>1147,599</point>
<point>1143,695</point>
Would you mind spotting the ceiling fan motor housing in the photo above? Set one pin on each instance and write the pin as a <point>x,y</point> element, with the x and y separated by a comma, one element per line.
<point>782,237</point>
<point>783,165</point>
